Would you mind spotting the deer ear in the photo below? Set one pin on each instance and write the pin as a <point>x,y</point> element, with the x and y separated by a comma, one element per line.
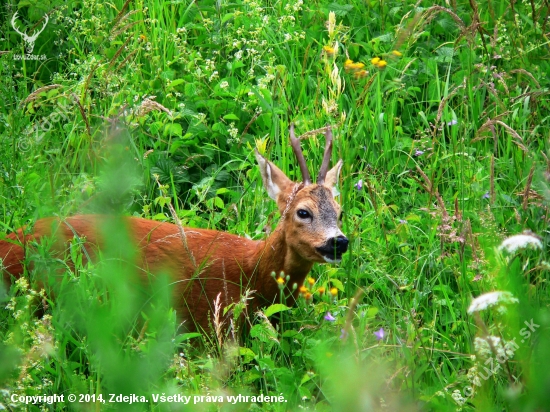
<point>275,181</point>
<point>332,178</point>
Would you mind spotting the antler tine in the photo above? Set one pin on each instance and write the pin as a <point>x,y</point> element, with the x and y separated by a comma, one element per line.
<point>299,155</point>
<point>15,15</point>
<point>326,157</point>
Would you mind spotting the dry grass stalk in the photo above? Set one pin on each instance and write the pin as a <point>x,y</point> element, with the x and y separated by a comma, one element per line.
<point>149,104</point>
<point>123,62</point>
<point>458,213</point>
<point>428,186</point>
<point>348,326</point>
<point>34,95</point>
<point>87,84</point>
<point>218,322</point>
<point>406,33</point>
<point>82,113</point>
<point>119,51</point>
<point>365,92</point>
<point>528,188</point>
<point>268,325</point>
<point>492,196</point>
<point>535,197</point>
<point>256,114</point>
<point>120,18</point>
<point>431,12</point>
<point>476,25</point>
<point>489,125</point>
<point>547,173</point>
<point>443,103</point>
<point>314,132</point>
<point>121,13</point>
<point>181,230</point>
<point>124,29</point>
<point>525,72</point>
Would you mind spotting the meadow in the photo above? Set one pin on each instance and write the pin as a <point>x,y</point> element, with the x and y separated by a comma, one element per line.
<point>441,114</point>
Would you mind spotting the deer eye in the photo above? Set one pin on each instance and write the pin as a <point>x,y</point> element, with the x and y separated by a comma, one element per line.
<point>303,214</point>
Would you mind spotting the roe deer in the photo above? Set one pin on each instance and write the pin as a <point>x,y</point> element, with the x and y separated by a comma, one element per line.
<point>202,263</point>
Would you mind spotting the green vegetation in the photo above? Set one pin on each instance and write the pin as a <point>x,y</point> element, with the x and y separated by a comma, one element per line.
<point>141,104</point>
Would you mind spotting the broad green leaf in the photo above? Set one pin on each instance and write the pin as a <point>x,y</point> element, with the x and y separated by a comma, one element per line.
<point>275,308</point>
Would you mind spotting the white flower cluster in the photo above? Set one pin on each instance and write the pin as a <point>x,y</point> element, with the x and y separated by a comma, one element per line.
<point>458,398</point>
<point>517,242</point>
<point>473,376</point>
<point>485,346</point>
<point>491,299</point>
<point>234,133</point>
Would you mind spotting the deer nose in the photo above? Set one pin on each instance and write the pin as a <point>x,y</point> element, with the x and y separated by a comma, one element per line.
<point>333,248</point>
<point>340,244</point>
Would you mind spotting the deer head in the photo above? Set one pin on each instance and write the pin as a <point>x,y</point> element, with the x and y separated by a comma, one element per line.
<point>29,40</point>
<point>310,218</point>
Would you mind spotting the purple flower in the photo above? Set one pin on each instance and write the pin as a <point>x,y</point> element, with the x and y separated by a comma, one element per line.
<point>419,152</point>
<point>486,195</point>
<point>359,184</point>
<point>343,334</point>
<point>452,122</point>
<point>329,317</point>
<point>403,221</point>
<point>380,334</point>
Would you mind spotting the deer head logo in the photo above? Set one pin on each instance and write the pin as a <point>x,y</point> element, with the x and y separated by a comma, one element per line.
<point>29,40</point>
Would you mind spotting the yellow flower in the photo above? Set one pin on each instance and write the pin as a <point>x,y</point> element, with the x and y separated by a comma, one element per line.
<point>397,53</point>
<point>382,64</point>
<point>321,290</point>
<point>303,289</point>
<point>375,61</point>
<point>348,65</point>
<point>281,281</point>
<point>360,74</point>
<point>311,281</point>
<point>308,296</point>
<point>333,291</point>
<point>329,50</point>
<point>143,37</point>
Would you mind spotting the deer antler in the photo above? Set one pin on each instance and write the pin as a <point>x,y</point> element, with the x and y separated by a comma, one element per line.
<point>326,157</point>
<point>16,14</point>
<point>28,40</point>
<point>295,142</point>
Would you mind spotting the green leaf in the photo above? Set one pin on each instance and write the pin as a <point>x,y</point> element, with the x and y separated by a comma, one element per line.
<point>263,333</point>
<point>340,10</point>
<point>337,284</point>
<point>231,116</point>
<point>154,128</point>
<point>276,308</point>
<point>218,202</point>
<point>173,129</point>
<point>247,354</point>
<point>190,89</point>
<point>187,336</point>
<point>371,312</point>
<point>176,82</point>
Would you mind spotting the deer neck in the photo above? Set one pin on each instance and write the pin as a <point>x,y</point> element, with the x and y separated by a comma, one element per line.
<point>274,255</point>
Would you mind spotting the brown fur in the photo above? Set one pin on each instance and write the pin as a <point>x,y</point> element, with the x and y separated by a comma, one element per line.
<point>224,262</point>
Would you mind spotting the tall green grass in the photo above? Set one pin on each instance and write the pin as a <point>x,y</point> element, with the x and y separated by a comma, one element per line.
<point>141,104</point>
